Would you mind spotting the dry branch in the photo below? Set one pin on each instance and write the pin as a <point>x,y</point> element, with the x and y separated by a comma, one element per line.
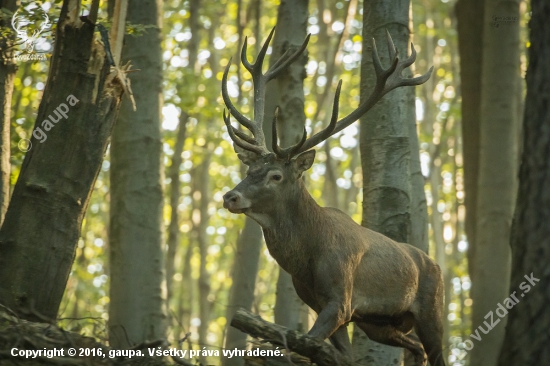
<point>320,352</point>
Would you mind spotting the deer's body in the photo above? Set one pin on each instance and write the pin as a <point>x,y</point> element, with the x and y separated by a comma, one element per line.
<point>342,270</point>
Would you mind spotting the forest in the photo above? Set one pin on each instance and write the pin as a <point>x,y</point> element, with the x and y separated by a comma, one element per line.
<point>275,182</point>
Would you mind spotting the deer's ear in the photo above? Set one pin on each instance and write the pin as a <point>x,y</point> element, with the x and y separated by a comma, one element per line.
<point>303,162</point>
<point>247,157</point>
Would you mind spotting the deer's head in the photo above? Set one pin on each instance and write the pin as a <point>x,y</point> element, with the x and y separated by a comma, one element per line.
<point>273,175</point>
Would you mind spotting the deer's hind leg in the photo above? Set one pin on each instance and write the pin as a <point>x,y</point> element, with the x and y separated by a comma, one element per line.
<point>340,340</point>
<point>394,336</point>
<point>430,331</point>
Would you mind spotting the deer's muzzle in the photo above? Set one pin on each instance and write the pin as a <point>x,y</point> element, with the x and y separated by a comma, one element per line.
<point>235,202</point>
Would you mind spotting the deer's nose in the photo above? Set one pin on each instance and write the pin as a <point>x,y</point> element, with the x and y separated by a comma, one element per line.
<point>231,198</point>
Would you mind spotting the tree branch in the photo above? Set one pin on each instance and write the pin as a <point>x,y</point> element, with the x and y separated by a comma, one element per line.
<point>323,354</point>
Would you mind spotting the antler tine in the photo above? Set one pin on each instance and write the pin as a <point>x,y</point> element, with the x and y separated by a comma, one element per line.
<point>260,59</point>
<point>329,130</point>
<point>244,136</point>
<point>288,152</point>
<point>293,150</point>
<point>391,47</point>
<point>279,66</point>
<point>395,79</point>
<point>274,137</point>
<point>381,74</point>
<point>260,80</point>
<point>242,144</point>
<point>225,95</point>
<point>410,60</point>
<point>244,60</point>
<point>386,80</point>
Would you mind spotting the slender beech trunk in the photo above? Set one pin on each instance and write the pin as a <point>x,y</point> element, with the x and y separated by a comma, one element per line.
<point>331,53</point>
<point>385,152</point>
<point>8,69</point>
<point>203,193</point>
<point>470,17</point>
<point>497,174</point>
<point>137,290</point>
<point>175,193</point>
<point>419,206</point>
<point>247,255</point>
<point>244,280</point>
<point>186,294</point>
<point>291,32</point>
<point>57,176</point>
<point>527,336</point>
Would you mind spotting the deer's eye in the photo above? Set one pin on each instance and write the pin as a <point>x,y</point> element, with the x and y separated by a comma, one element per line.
<point>276,177</point>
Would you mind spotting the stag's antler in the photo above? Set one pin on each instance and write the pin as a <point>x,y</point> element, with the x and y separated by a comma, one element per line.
<point>257,142</point>
<point>386,80</point>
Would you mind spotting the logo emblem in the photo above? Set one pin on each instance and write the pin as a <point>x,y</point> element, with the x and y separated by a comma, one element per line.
<point>30,35</point>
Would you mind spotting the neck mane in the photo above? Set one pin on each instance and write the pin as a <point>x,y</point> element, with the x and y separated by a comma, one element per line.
<point>289,233</point>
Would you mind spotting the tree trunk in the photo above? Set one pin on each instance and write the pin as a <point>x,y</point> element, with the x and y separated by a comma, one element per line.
<point>203,190</point>
<point>8,69</point>
<point>470,17</point>
<point>248,248</point>
<point>419,206</point>
<point>175,193</point>
<point>497,174</point>
<point>137,289</point>
<point>241,295</point>
<point>385,152</point>
<point>56,179</point>
<point>290,33</point>
<point>527,337</point>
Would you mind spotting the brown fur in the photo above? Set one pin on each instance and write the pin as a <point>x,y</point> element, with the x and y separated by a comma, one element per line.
<point>343,271</point>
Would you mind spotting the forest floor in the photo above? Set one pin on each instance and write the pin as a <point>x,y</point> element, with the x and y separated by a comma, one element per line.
<point>29,343</point>
<point>21,337</point>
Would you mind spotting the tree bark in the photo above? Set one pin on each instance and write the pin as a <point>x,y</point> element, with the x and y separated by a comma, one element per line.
<point>8,68</point>
<point>419,205</point>
<point>248,248</point>
<point>290,33</point>
<point>527,337</point>
<point>203,243</point>
<point>137,289</point>
<point>244,275</point>
<point>385,152</point>
<point>57,176</point>
<point>470,17</point>
<point>497,173</point>
<point>175,193</point>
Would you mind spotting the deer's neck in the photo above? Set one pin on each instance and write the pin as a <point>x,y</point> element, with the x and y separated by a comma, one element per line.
<point>293,226</point>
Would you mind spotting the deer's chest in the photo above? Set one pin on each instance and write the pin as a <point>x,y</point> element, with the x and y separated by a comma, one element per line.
<point>290,253</point>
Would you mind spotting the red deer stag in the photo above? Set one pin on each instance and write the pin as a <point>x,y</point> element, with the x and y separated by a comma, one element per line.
<point>343,271</point>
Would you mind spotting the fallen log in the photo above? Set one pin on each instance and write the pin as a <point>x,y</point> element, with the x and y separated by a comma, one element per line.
<point>318,351</point>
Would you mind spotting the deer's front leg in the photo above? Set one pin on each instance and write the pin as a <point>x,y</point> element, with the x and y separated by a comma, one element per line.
<point>332,289</point>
